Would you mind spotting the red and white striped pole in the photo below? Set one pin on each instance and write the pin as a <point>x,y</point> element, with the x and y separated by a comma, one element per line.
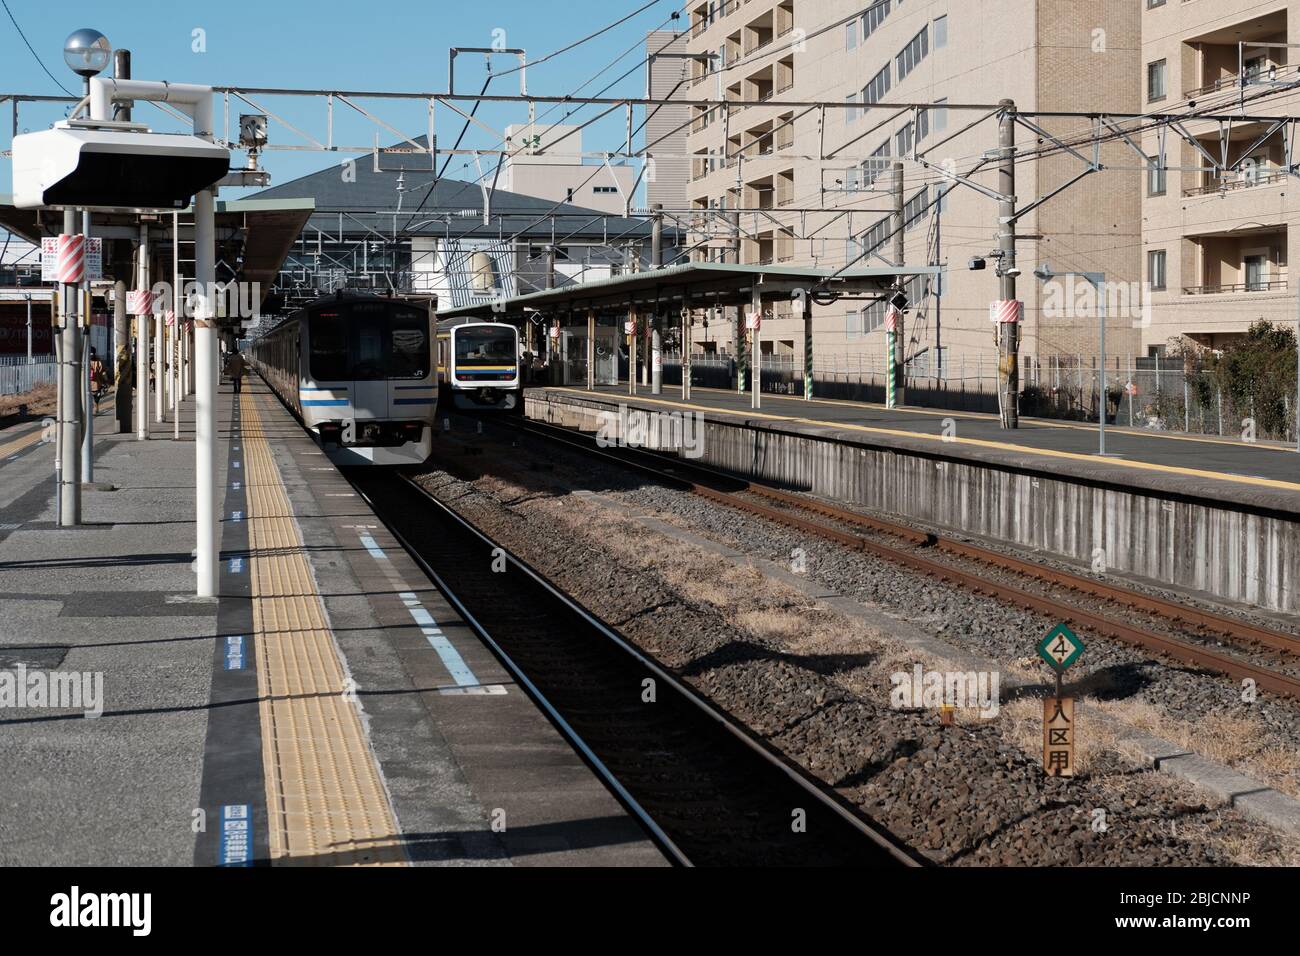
<point>71,271</point>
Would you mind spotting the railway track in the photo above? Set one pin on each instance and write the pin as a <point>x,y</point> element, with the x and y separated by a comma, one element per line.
<point>972,567</point>
<point>706,790</point>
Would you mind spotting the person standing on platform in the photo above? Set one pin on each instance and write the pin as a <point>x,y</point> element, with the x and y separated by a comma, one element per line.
<point>235,369</point>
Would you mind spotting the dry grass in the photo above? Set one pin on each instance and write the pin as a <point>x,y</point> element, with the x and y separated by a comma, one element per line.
<point>1242,743</point>
<point>39,401</point>
<point>772,611</point>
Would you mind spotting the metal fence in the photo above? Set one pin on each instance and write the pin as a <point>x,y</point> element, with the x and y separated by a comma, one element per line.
<point>1153,393</point>
<point>18,375</point>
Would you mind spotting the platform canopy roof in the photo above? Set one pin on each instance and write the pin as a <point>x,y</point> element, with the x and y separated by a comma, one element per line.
<point>698,284</point>
<point>253,235</point>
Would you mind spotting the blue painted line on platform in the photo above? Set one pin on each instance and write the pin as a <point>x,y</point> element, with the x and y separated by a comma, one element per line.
<point>236,835</point>
<point>455,664</point>
<point>235,652</point>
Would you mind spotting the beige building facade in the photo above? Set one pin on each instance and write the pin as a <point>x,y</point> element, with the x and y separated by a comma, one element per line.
<point>813,185</point>
<point>1217,241</point>
<point>550,165</point>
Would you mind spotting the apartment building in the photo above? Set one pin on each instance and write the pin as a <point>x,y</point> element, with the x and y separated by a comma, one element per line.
<point>1217,242</point>
<point>668,77</point>
<point>772,169</point>
<point>549,165</point>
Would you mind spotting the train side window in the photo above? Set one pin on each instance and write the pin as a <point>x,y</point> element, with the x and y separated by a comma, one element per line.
<point>328,337</point>
<point>410,352</point>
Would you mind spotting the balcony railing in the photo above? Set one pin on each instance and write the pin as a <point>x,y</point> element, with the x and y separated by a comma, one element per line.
<point>1233,81</point>
<point>1263,285</point>
<point>1232,185</point>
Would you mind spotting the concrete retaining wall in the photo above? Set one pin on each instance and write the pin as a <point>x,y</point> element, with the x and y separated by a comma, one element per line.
<point>1230,551</point>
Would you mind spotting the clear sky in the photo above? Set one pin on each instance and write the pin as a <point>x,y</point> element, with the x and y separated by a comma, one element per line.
<point>396,45</point>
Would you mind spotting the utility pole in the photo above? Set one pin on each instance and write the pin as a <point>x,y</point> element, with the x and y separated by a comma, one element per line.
<point>898,395</point>
<point>656,262</point>
<point>1009,332</point>
<point>70,388</point>
<point>737,336</point>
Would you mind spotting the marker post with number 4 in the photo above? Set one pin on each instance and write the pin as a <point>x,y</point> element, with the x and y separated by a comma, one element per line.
<point>1060,647</point>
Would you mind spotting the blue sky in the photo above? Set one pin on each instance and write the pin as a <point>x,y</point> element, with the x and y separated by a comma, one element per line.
<point>390,45</point>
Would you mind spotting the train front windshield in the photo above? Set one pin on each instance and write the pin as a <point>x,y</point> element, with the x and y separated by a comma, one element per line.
<point>365,341</point>
<point>478,346</point>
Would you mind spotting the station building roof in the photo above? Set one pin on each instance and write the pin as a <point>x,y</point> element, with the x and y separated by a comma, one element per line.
<point>369,200</point>
<point>701,284</point>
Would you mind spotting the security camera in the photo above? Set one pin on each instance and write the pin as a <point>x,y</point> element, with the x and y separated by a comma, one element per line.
<point>976,263</point>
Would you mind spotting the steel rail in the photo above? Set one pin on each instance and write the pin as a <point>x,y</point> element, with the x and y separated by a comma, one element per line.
<point>1185,651</point>
<point>815,789</point>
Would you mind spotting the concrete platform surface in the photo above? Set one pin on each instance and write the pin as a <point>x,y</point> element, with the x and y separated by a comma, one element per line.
<point>177,751</point>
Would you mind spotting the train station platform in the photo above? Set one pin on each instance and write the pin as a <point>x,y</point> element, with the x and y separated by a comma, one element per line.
<point>1267,473</point>
<point>1208,515</point>
<point>329,708</point>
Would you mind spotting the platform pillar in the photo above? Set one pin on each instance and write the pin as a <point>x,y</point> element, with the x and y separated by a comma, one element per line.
<point>205,381</point>
<point>807,348</point>
<point>591,349</point>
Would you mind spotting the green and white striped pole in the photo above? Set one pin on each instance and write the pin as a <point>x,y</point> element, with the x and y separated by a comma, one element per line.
<point>891,334</point>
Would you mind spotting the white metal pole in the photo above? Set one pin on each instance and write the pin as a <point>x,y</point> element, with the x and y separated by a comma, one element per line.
<point>160,359</point>
<point>174,347</point>
<point>205,379</point>
<point>87,391</point>
<point>142,335</point>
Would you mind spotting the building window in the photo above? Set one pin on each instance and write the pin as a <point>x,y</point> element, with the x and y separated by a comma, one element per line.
<point>850,34</point>
<point>940,32</point>
<point>876,90</point>
<point>852,324</point>
<point>910,57</point>
<point>569,194</point>
<point>1152,4</point>
<point>1156,262</point>
<point>874,17</point>
<point>1156,85</point>
<point>940,115</point>
<point>876,166</point>
<point>851,109</point>
<point>1157,176</point>
<point>604,189</point>
<point>903,140</point>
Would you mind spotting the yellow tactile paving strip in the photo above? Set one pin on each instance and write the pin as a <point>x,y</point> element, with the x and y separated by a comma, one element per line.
<point>19,444</point>
<point>326,803</point>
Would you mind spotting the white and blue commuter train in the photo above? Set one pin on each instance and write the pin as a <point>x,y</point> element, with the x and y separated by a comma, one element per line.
<point>357,370</point>
<point>478,365</point>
